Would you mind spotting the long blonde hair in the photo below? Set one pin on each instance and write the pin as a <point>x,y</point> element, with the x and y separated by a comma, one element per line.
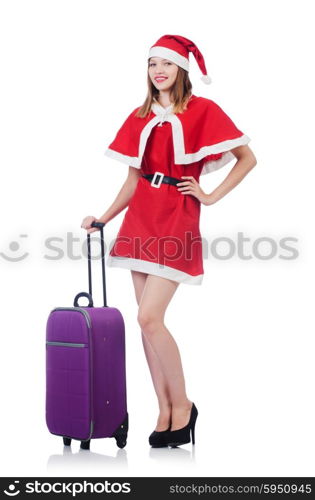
<point>179,94</point>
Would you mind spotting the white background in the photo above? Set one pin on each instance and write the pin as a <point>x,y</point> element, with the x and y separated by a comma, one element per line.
<point>71,73</point>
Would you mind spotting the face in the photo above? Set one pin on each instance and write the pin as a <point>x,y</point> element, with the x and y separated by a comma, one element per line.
<point>162,72</point>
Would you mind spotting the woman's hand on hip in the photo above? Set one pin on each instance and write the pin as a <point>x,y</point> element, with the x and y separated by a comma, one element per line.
<point>191,186</point>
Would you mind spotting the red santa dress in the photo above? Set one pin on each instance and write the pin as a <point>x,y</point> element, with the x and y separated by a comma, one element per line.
<point>160,232</point>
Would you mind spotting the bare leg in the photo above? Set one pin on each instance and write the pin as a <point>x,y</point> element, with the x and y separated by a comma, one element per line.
<point>156,295</point>
<point>158,379</point>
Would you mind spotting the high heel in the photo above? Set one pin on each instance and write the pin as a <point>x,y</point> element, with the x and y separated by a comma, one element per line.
<point>157,438</point>
<point>182,436</point>
<point>193,433</point>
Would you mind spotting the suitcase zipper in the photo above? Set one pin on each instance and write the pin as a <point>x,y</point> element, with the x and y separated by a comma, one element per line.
<point>68,344</point>
<point>87,317</point>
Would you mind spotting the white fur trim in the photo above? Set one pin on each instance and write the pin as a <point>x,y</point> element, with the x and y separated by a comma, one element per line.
<point>212,165</point>
<point>154,268</point>
<point>181,158</point>
<point>171,55</point>
<point>206,79</point>
<point>133,161</point>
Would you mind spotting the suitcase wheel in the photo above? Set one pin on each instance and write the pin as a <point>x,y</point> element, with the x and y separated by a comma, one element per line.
<point>85,445</point>
<point>121,441</point>
<point>67,441</point>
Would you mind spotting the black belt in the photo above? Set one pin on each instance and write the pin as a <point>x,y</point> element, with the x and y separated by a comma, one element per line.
<point>166,179</point>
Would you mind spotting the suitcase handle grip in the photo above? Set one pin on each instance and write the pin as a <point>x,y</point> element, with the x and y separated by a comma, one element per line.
<point>83,294</point>
<point>98,224</point>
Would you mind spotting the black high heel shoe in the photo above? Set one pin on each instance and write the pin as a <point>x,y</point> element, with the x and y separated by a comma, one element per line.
<point>182,436</point>
<point>157,438</point>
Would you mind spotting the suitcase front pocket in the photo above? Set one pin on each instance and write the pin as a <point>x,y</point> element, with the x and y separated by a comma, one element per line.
<point>68,392</point>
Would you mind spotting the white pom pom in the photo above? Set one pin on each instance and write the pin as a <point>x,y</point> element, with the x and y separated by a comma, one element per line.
<point>206,79</point>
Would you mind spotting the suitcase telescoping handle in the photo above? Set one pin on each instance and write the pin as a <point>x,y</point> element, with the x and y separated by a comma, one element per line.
<point>100,225</point>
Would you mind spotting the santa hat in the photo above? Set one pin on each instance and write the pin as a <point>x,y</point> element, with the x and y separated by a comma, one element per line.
<point>176,48</point>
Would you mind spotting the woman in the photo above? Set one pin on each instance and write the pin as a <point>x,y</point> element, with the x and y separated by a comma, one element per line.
<point>168,142</point>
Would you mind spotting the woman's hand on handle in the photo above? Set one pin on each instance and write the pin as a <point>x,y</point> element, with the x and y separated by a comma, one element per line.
<point>86,224</point>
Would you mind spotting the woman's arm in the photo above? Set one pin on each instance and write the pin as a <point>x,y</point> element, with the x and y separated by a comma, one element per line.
<point>123,197</point>
<point>246,160</point>
<point>121,201</point>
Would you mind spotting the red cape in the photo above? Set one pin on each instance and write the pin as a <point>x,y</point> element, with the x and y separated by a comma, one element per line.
<point>203,131</point>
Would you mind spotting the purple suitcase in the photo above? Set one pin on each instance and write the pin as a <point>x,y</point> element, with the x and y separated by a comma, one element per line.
<point>86,369</point>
